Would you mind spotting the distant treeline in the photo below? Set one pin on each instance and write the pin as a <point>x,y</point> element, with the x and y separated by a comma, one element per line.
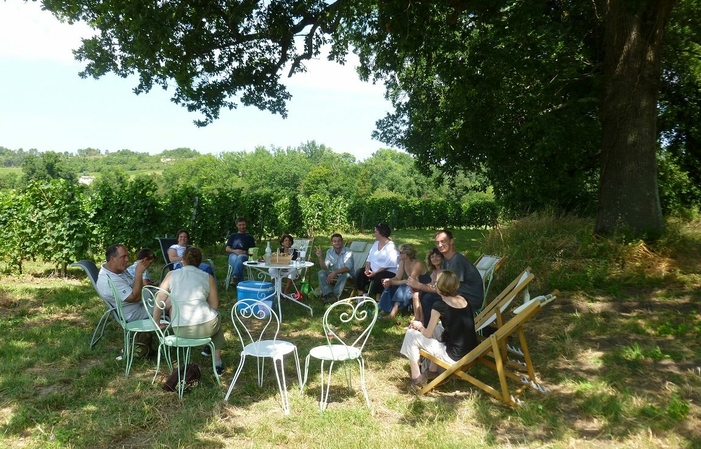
<point>135,197</point>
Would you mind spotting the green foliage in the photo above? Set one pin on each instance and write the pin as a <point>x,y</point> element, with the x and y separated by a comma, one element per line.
<point>59,223</point>
<point>47,166</point>
<point>482,214</point>
<point>565,254</point>
<point>15,234</point>
<point>127,211</point>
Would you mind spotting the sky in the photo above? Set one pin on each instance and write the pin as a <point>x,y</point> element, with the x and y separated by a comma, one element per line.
<point>45,105</point>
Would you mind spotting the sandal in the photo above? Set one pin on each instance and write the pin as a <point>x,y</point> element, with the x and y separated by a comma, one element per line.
<point>419,381</point>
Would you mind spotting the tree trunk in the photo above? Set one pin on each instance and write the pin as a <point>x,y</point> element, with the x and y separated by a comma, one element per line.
<point>628,193</point>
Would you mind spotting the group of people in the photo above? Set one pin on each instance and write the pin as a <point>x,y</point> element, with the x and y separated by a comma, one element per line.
<point>191,281</point>
<point>443,292</point>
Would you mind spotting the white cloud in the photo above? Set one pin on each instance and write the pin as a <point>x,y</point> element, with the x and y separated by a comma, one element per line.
<point>29,33</point>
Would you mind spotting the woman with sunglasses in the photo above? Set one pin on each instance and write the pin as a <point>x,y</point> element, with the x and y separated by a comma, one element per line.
<point>397,294</point>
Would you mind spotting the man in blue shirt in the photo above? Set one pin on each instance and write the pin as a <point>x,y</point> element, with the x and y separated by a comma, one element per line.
<point>237,246</point>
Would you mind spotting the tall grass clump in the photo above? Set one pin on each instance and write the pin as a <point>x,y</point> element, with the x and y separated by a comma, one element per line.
<point>564,253</point>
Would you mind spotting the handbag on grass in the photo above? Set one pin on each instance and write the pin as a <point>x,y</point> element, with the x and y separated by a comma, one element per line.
<point>192,380</point>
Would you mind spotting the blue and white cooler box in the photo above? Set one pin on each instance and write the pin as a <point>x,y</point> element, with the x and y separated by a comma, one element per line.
<point>250,291</point>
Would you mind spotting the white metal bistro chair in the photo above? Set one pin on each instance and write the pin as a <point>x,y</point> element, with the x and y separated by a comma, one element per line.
<point>257,326</point>
<point>347,326</point>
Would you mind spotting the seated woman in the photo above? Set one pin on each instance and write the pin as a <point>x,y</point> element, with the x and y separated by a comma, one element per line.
<point>286,242</point>
<point>422,300</point>
<point>397,294</point>
<point>196,294</point>
<point>448,340</point>
<point>175,252</point>
<point>381,263</point>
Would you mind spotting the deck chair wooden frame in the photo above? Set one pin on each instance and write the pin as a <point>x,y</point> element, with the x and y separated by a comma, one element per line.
<point>493,313</point>
<point>492,353</point>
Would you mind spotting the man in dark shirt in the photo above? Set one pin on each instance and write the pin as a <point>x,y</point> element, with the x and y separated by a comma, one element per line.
<point>471,285</point>
<point>237,246</point>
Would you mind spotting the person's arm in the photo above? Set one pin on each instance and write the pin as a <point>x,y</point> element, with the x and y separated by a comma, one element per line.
<point>213,298</point>
<point>135,295</point>
<point>230,249</point>
<point>322,260</point>
<point>397,279</point>
<point>432,323</point>
<point>173,255</point>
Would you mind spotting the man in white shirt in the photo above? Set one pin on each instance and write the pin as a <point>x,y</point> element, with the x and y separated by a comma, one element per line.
<point>128,287</point>
<point>334,269</point>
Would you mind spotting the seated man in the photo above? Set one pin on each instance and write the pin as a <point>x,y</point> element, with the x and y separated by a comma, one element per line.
<point>471,286</point>
<point>334,269</point>
<point>237,245</point>
<point>128,288</point>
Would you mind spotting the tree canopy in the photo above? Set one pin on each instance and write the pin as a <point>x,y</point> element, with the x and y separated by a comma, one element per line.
<point>555,102</point>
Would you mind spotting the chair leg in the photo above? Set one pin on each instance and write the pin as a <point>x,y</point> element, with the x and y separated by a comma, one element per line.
<point>306,372</point>
<point>129,342</point>
<point>236,376</point>
<point>282,386</point>
<point>229,272</point>
<point>361,365</point>
<point>260,363</point>
<point>101,327</point>
<point>214,363</point>
<point>324,402</point>
<point>181,381</point>
<point>299,372</point>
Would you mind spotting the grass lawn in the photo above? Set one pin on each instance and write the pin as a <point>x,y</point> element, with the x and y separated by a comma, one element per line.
<point>621,360</point>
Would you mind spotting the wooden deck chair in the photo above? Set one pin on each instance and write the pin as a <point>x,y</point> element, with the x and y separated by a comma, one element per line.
<point>493,313</point>
<point>487,265</point>
<point>492,353</point>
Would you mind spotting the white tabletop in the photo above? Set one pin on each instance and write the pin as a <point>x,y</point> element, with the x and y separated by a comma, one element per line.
<point>288,266</point>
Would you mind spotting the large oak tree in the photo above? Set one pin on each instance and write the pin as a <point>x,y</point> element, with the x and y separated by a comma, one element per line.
<point>555,101</point>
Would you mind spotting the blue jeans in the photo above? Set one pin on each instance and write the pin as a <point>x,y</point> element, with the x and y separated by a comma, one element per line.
<point>396,293</point>
<point>236,261</point>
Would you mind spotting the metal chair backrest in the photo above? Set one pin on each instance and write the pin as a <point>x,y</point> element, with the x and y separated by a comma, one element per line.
<point>255,321</point>
<point>348,322</point>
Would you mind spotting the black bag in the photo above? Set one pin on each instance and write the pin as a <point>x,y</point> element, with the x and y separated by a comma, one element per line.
<point>192,380</point>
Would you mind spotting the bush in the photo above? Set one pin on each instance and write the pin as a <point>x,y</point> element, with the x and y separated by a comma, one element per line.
<point>482,214</point>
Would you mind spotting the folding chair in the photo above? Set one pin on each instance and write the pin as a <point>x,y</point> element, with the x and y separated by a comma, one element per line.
<point>166,242</point>
<point>492,314</point>
<point>92,271</point>
<point>492,353</point>
<point>487,265</point>
<point>360,255</point>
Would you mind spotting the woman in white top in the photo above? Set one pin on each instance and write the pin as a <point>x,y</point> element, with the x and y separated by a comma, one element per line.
<point>381,263</point>
<point>196,294</point>
<point>175,252</point>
